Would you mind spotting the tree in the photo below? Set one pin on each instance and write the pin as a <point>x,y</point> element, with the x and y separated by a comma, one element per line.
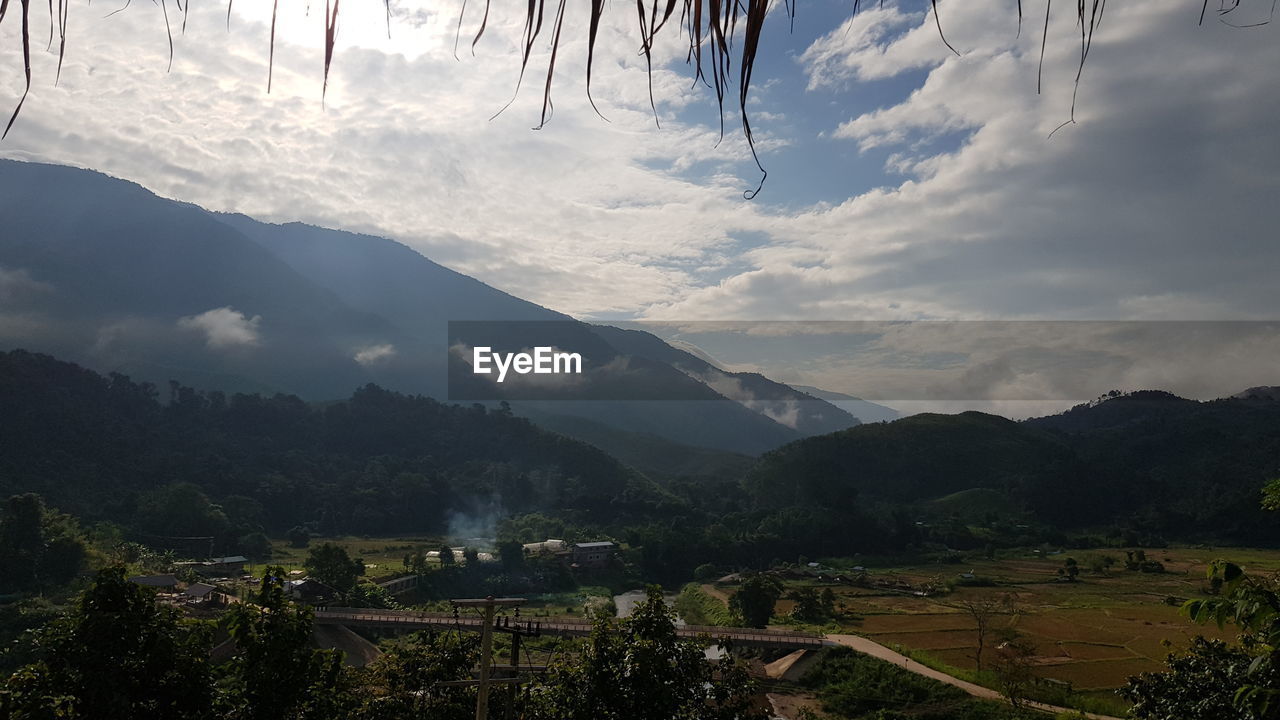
<point>808,604</point>
<point>181,510</point>
<point>330,564</point>
<point>405,679</point>
<point>639,669</point>
<point>1253,603</point>
<point>116,655</point>
<point>511,555</point>
<point>276,674</point>
<point>299,536</point>
<point>38,547</point>
<point>446,556</point>
<point>1070,570</point>
<point>256,546</point>
<point>1200,684</point>
<point>984,609</point>
<point>755,598</point>
<point>1014,670</point>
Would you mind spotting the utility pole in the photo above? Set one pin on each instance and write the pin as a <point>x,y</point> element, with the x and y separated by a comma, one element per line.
<point>488,605</point>
<point>516,632</point>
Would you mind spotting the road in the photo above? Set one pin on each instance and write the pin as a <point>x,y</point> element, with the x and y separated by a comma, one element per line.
<point>876,650</point>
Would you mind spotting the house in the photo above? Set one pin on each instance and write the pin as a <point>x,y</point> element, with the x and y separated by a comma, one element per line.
<point>230,566</point>
<point>168,581</point>
<point>227,566</point>
<point>199,592</point>
<point>310,591</point>
<point>593,554</point>
<point>549,546</point>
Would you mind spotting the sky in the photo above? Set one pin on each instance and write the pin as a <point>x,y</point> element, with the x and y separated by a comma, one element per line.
<point>906,182</point>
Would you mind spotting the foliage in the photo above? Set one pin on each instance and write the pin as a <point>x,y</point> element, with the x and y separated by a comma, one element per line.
<point>275,674</point>
<point>404,679</point>
<point>637,668</point>
<point>811,605</point>
<point>984,609</point>
<point>1199,684</point>
<point>39,547</point>
<point>856,686</point>
<point>754,600</point>
<point>115,655</point>
<point>696,607</point>
<point>299,536</point>
<point>330,564</point>
<point>1014,670</point>
<point>105,448</point>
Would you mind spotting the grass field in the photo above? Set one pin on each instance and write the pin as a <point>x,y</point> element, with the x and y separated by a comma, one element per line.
<point>1093,633</point>
<point>382,556</point>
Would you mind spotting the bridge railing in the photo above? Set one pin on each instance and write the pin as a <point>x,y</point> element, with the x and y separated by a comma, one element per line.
<point>410,617</point>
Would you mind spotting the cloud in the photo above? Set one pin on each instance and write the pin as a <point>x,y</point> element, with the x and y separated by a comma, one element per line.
<point>373,354</point>
<point>1158,203</point>
<point>17,284</point>
<point>403,144</point>
<point>224,328</point>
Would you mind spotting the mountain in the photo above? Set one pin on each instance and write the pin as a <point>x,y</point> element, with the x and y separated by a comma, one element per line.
<point>917,458</point>
<point>1151,462</point>
<point>102,272</point>
<point>1260,393</point>
<point>378,462</point>
<point>864,410</point>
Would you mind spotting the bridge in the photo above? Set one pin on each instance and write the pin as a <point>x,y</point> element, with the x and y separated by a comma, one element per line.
<point>413,620</point>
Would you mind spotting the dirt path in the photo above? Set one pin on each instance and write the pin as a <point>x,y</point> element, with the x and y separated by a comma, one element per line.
<point>876,650</point>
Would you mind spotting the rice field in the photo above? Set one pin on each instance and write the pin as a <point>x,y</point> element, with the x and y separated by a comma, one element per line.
<point>1093,633</point>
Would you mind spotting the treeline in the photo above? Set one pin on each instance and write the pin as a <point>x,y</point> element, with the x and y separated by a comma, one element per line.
<point>209,464</point>
<point>1134,469</point>
<point>117,653</point>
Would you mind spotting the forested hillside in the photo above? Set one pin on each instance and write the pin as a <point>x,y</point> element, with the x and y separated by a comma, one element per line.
<point>1148,464</point>
<point>211,464</point>
<point>177,462</point>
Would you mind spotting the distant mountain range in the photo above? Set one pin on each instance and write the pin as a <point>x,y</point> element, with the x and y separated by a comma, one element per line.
<point>1159,464</point>
<point>864,410</point>
<point>105,273</point>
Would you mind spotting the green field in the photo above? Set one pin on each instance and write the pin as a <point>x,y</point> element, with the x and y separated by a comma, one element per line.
<point>382,556</point>
<point>1093,633</point>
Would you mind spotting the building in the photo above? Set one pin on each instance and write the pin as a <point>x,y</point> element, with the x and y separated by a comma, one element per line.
<point>312,592</point>
<point>593,554</point>
<point>549,546</point>
<point>230,566</point>
<point>167,582</point>
<point>200,592</point>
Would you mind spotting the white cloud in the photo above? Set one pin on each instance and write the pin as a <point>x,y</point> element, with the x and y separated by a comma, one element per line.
<point>373,354</point>
<point>17,284</point>
<point>1159,203</point>
<point>224,327</point>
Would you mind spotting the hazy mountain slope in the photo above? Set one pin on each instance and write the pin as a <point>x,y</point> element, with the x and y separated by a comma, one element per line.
<point>917,458</point>
<point>377,462</point>
<point>804,413</point>
<point>1178,462</point>
<point>103,272</point>
<point>864,410</point>
<point>111,270</point>
<point>649,453</point>
<point>1149,461</point>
